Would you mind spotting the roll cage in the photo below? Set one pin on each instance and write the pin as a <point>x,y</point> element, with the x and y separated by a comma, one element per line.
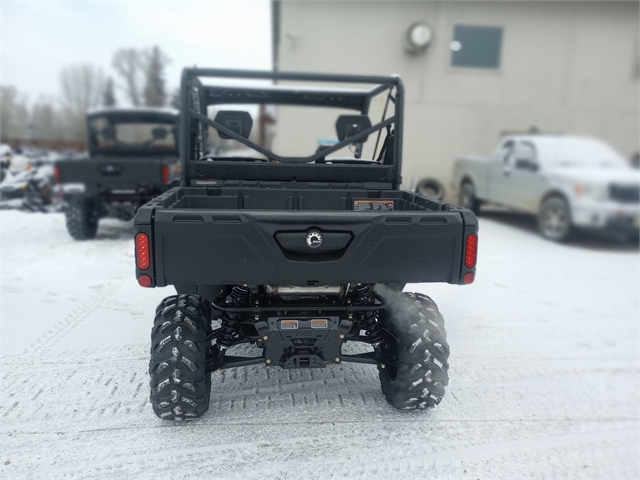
<point>196,97</point>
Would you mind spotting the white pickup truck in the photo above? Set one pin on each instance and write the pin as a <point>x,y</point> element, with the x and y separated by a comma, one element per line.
<point>567,181</point>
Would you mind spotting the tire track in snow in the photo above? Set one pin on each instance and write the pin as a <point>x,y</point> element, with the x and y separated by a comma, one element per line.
<point>43,345</point>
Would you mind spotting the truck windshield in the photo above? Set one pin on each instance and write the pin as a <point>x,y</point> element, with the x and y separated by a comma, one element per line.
<point>106,133</point>
<point>585,152</point>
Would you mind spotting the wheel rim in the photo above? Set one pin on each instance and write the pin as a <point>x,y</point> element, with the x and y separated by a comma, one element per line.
<point>466,195</point>
<point>390,356</point>
<point>555,221</point>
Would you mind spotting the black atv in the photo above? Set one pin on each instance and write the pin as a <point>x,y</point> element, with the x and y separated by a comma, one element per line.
<point>133,156</point>
<point>297,255</point>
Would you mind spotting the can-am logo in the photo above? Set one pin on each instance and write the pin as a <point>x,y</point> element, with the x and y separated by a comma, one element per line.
<point>314,239</point>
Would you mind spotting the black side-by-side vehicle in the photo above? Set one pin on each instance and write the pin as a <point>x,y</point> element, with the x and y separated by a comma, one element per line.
<point>297,254</point>
<point>133,156</point>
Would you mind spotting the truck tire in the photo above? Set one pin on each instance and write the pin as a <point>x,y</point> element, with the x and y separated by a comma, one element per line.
<point>81,219</point>
<point>416,343</point>
<point>180,384</point>
<point>468,197</point>
<point>554,219</point>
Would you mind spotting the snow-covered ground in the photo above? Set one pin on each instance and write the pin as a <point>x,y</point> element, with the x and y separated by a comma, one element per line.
<point>544,373</point>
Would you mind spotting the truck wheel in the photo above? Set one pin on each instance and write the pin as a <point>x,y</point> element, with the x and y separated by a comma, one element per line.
<point>180,385</point>
<point>468,197</point>
<point>416,351</point>
<point>81,218</point>
<point>554,219</point>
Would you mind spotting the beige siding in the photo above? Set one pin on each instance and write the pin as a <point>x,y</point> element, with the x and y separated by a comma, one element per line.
<point>566,67</point>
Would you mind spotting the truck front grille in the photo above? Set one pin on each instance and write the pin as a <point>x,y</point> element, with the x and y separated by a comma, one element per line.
<point>624,193</point>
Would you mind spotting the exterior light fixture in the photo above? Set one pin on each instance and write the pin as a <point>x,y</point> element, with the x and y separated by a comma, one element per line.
<point>419,36</point>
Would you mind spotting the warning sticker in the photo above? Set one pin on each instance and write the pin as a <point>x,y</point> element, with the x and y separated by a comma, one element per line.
<point>288,324</point>
<point>319,323</point>
<point>372,205</point>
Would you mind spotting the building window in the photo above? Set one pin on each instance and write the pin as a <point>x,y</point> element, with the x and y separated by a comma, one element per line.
<point>476,47</point>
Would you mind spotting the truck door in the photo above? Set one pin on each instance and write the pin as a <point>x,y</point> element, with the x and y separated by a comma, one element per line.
<point>499,171</point>
<point>524,185</point>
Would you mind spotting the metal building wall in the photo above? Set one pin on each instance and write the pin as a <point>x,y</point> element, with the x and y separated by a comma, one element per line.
<point>566,67</point>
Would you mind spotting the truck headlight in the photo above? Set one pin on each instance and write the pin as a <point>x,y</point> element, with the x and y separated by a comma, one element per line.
<point>592,191</point>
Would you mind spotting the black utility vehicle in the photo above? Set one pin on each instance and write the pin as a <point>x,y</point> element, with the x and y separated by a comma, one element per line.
<point>297,254</point>
<point>133,156</point>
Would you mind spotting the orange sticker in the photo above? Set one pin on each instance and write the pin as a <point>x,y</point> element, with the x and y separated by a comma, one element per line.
<point>288,324</point>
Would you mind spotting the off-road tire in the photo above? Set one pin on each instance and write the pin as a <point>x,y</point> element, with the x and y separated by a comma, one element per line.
<point>467,198</point>
<point>81,218</point>
<point>180,385</point>
<point>415,334</point>
<point>554,219</point>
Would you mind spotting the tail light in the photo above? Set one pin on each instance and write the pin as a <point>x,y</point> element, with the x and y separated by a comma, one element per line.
<point>142,251</point>
<point>165,174</point>
<point>56,174</point>
<point>471,250</point>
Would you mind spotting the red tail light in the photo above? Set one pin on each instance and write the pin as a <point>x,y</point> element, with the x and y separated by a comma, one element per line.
<point>144,280</point>
<point>56,174</point>
<point>142,251</point>
<point>471,250</point>
<point>165,175</point>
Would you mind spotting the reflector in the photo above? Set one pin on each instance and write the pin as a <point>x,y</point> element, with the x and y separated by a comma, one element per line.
<point>142,251</point>
<point>468,278</point>
<point>471,251</point>
<point>144,280</point>
<point>165,175</point>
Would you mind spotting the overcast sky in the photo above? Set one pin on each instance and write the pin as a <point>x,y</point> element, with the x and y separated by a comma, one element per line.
<point>40,38</point>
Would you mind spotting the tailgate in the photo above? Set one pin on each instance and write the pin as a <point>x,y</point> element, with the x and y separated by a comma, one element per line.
<point>267,247</point>
<point>105,174</point>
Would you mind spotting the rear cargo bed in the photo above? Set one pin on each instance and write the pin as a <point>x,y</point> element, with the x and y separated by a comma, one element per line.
<point>98,174</point>
<point>215,236</point>
<point>305,198</point>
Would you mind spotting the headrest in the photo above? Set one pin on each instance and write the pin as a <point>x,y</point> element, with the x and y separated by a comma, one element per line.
<point>238,122</point>
<point>350,125</point>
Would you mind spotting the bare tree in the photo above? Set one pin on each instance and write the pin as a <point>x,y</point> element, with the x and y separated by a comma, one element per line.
<point>14,114</point>
<point>108,96</point>
<point>129,63</point>
<point>46,120</point>
<point>154,90</point>
<point>81,87</point>
<point>175,99</point>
